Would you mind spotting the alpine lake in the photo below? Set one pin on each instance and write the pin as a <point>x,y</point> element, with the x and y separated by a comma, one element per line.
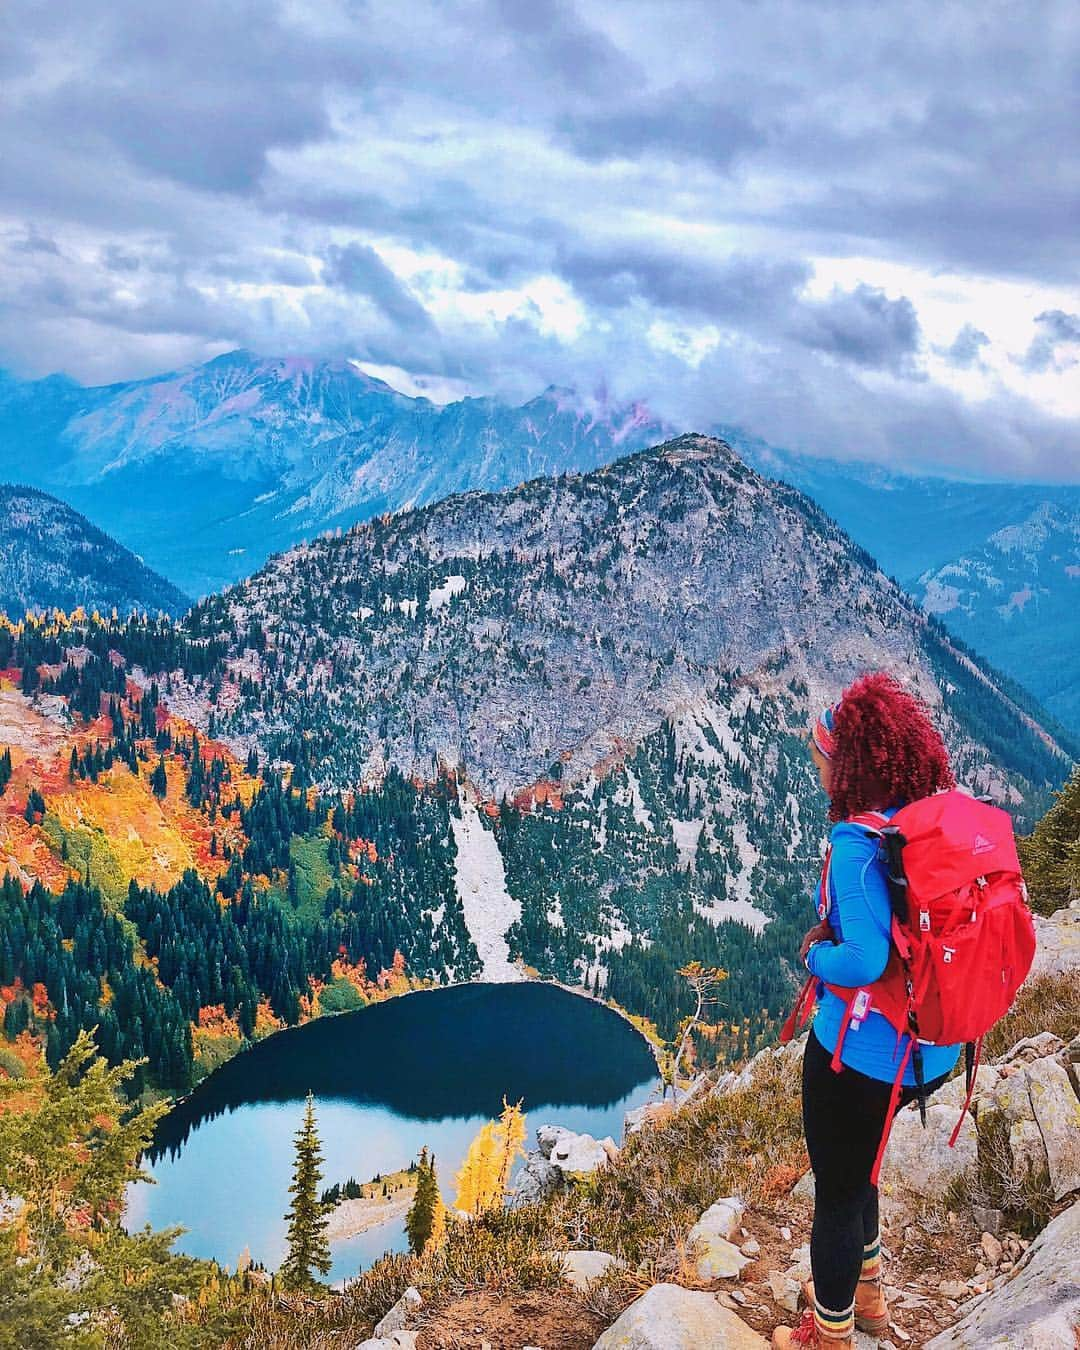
<point>422,1070</point>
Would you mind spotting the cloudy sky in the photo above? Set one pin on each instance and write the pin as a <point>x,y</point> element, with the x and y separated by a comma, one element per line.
<point>850,227</point>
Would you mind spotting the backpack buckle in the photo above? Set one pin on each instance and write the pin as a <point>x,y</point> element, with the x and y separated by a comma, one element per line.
<point>924,920</point>
<point>947,954</point>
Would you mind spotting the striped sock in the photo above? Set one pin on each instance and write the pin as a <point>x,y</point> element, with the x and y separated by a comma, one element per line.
<point>871,1262</point>
<point>834,1326</point>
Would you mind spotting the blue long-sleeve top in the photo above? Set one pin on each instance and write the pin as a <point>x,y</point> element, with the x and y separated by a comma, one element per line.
<point>860,917</point>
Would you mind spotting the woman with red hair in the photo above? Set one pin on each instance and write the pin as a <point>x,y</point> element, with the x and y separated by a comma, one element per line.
<point>875,751</point>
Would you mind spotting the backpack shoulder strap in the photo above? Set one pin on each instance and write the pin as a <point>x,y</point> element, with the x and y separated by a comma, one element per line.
<point>874,821</point>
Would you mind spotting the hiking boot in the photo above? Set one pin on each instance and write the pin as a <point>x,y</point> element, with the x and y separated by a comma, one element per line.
<point>810,1333</point>
<point>871,1310</point>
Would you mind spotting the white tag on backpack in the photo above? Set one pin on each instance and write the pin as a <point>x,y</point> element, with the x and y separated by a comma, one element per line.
<point>859,1008</point>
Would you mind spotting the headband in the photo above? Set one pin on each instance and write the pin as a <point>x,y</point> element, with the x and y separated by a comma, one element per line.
<point>824,732</point>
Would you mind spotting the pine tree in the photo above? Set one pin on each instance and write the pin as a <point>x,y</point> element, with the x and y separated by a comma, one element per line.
<point>159,783</point>
<point>309,1250</point>
<point>420,1222</point>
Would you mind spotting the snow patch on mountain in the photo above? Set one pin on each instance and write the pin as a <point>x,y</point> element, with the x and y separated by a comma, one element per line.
<point>453,585</point>
<point>480,882</point>
<point>734,911</point>
<point>686,834</point>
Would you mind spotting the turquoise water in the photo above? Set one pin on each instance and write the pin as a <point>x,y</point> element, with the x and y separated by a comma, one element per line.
<point>427,1069</point>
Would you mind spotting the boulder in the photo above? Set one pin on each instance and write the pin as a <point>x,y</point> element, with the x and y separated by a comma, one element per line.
<point>571,1152</point>
<point>920,1162</point>
<point>715,1257</point>
<point>634,1120</point>
<point>581,1267</point>
<point>1057,938</point>
<point>1026,1147</point>
<point>1011,1097</point>
<point>954,1091</point>
<point>1057,1113</point>
<point>1037,1308</point>
<point>536,1179</point>
<point>805,1190</point>
<point>1034,1047</point>
<point>399,1340</point>
<point>669,1317</point>
<point>547,1136</point>
<point>409,1303</point>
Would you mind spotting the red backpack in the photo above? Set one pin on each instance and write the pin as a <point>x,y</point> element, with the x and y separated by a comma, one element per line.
<point>962,935</point>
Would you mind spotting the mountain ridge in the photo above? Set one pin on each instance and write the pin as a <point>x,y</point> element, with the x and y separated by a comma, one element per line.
<point>52,557</point>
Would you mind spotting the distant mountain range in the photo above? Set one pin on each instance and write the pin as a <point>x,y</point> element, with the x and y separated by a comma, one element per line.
<point>52,557</point>
<point>207,471</point>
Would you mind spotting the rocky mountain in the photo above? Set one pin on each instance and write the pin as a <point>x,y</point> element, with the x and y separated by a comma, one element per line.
<point>52,557</point>
<point>205,471</point>
<point>631,654</point>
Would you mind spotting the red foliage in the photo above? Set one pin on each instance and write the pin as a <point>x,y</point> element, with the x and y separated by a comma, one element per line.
<point>887,750</point>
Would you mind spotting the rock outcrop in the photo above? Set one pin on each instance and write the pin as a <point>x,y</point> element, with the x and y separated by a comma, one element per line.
<point>669,1317</point>
<point>1038,1308</point>
<point>715,1256</point>
<point>574,1153</point>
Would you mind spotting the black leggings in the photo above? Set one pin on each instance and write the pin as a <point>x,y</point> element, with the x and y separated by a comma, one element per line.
<point>843,1117</point>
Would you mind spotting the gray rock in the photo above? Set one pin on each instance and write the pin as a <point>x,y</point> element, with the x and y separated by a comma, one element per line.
<point>1057,938</point>
<point>669,1317</point>
<point>721,1218</point>
<point>1010,1096</point>
<point>547,1136</point>
<point>11,1206</point>
<point>954,1091</point>
<point>1034,1047</point>
<point>1037,1308</point>
<point>398,1340</point>
<point>920,1162</point>
<point>805,1190</point>
<point>576,1153</point>
<point>786,1290</point>
<point>640,1116</point>
<point>1026,1146</point>
<point>395,1320</point>
<point>1057,1113</point>
<point>77,1272</point>
<point>989,1220</point>
<point>581,1267</point>
<point>715,1256</point>
<point>536,1179</point>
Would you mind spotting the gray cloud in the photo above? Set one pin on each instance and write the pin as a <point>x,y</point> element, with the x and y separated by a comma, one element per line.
<point>964,351</point>
<point>680,121</point>
<point>862,325</point>
<point>359,269</point>
<point>1056,329</point>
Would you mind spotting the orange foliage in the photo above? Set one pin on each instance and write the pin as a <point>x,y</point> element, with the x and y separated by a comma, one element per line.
<point>359,849</point>
<point>780,1178</point>
<point>309,1003</point>
<point>266,1020</point>
<point>544,791</point>
<point>214,1020</point>
<point>395,980</point>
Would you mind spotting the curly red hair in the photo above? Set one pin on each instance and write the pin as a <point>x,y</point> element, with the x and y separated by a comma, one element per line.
<point>887,750</point>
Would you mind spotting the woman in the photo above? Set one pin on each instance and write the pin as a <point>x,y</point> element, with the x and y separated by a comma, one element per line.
<point>874,751</point>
